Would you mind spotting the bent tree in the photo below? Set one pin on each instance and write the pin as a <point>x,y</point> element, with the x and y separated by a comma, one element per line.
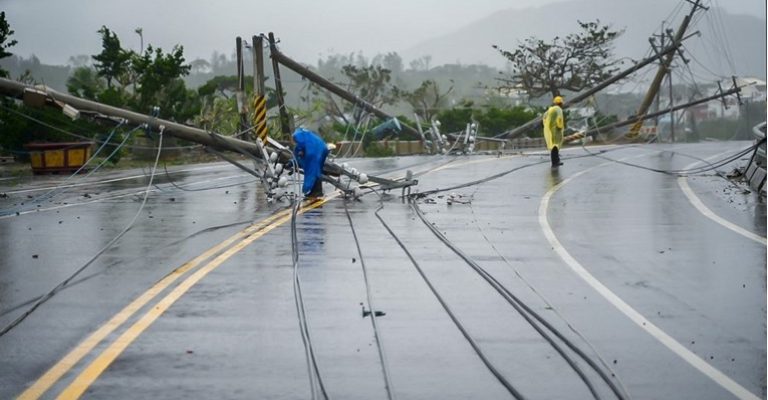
<point>573,63</point>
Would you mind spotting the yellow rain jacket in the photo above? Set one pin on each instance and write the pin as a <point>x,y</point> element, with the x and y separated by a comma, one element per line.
<point>553,127</point>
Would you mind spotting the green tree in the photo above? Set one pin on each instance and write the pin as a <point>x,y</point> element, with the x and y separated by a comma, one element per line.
<point>421,64</point>
<point>155,72</point>
<point>427,99</point>
<point>575,62</point>
<point>220,86</point>
<point>370,83</point>
<point>497,120</point>
<point>5,43</point>
<point>391,61</point>
<point>113,61</point>
<point>492,120</point>
<point>219,106</point>
<point>85,82</point>
<point>456,119</point>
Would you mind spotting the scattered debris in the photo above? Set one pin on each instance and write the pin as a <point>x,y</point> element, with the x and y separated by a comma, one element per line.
<point>736,173</point>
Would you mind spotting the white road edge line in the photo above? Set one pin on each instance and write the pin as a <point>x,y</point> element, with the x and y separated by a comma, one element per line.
<point>696,202</point>
<point>97,182</point>
<point>713,373</point>
<point>119,196</point>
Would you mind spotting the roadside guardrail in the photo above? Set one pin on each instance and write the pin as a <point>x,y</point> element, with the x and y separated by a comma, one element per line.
<point>755,172</point>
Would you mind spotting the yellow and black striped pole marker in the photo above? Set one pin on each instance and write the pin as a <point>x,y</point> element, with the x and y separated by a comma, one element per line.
<point>574,136</point>
<point>260,117</point>
<point>635,130</point>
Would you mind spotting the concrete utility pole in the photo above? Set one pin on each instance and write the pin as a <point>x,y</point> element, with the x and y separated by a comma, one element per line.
<point>47,96</point>
<point>240,94</point>
<point>43,96</point>
<point>259,95</point>
<point>671,104</point>
<point>277,56</point>
<point>663,70</point>
<point>657,101</point>
<point>258,65</point>
<point>285,124</point>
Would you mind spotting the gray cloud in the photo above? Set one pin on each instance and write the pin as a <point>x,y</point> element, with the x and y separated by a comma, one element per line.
<point>54,30</point>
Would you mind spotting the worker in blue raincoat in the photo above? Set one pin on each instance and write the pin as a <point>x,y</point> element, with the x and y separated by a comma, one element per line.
<point>310,152</point>
<point>554,125</point>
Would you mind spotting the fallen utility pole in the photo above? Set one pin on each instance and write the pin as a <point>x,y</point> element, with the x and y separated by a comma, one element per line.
<point>277,56</point>
<point>640,118</point>
<point>600,86</point>
<point>19,90</point>
<point>41,96</point>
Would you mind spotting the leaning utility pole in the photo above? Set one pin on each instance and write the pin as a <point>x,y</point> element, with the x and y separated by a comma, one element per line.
<point>663,69</point>
<point>278,57</point>
<point>640,118</point>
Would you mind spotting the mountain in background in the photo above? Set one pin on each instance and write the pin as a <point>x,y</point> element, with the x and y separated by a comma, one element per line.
<point>729,44</point>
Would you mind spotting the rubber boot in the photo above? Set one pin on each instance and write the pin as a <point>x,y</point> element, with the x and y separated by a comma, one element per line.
<point>555,156</point>
<point>317,189</point>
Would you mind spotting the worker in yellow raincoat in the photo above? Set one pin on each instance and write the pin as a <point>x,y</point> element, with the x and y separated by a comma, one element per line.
<point>554,125</point>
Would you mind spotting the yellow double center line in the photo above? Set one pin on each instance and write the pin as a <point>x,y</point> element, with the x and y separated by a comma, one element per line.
<point>100,364</point>
<point>225,249</point>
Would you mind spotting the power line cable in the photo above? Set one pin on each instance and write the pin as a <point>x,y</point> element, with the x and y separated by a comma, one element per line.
<point>373,310</point>
<point>313,370</point>
<point>61,188</point>
<point>496,373</point>
<point>109,244</point>
<point>68,133</point>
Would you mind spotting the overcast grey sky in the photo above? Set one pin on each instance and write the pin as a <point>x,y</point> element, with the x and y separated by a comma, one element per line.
<point>54,30</point>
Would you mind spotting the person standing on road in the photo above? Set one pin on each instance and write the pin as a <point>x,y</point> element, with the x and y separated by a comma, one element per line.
<point>554,125</point>
<point>310,151</point>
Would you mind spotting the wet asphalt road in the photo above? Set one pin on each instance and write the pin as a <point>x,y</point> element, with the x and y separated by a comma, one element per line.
<point>228,327</point>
